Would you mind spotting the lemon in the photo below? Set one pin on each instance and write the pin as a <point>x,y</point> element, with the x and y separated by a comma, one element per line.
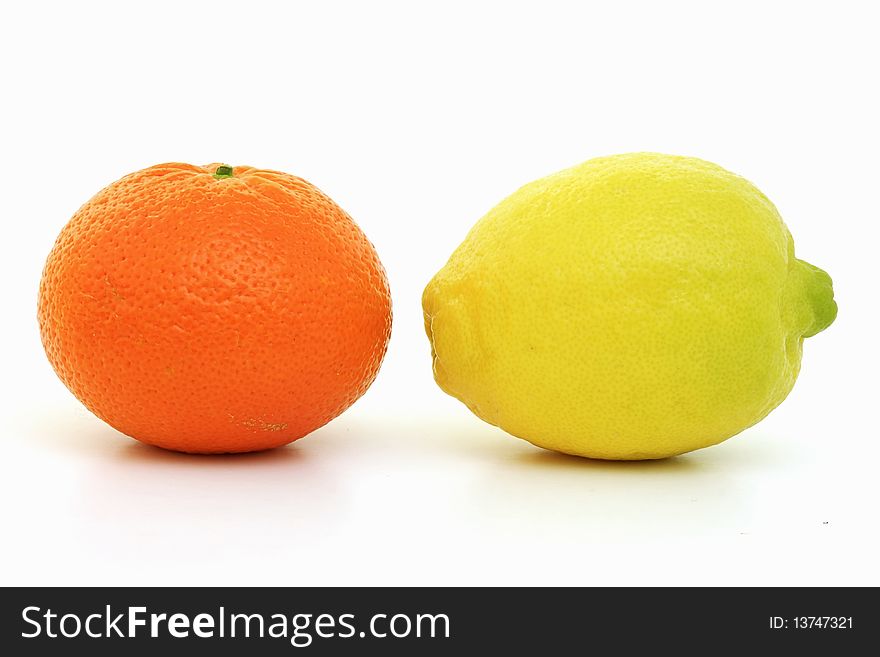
<point>635,306</point>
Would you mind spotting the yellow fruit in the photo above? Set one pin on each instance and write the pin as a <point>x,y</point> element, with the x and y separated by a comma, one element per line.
<point>633,307</point>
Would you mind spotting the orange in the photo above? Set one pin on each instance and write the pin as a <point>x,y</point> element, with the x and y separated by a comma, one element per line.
<point>214,309</point>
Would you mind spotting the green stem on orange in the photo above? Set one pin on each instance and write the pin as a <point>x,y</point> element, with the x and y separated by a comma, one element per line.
<point>223,172</point>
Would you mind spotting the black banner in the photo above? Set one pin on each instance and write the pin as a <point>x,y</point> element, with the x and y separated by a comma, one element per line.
<point>279,621</point>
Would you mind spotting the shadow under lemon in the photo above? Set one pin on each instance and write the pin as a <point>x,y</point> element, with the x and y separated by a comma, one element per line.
<point>543,458</point>
<point>542,498</point>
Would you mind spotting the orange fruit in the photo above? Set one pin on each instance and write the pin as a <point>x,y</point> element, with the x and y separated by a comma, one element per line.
<point>214,309</point>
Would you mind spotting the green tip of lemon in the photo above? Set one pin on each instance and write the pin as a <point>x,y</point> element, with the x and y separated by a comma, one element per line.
<point>820,294</point>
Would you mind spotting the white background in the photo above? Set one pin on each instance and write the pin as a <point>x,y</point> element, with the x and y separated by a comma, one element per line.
<point>417,120</point>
